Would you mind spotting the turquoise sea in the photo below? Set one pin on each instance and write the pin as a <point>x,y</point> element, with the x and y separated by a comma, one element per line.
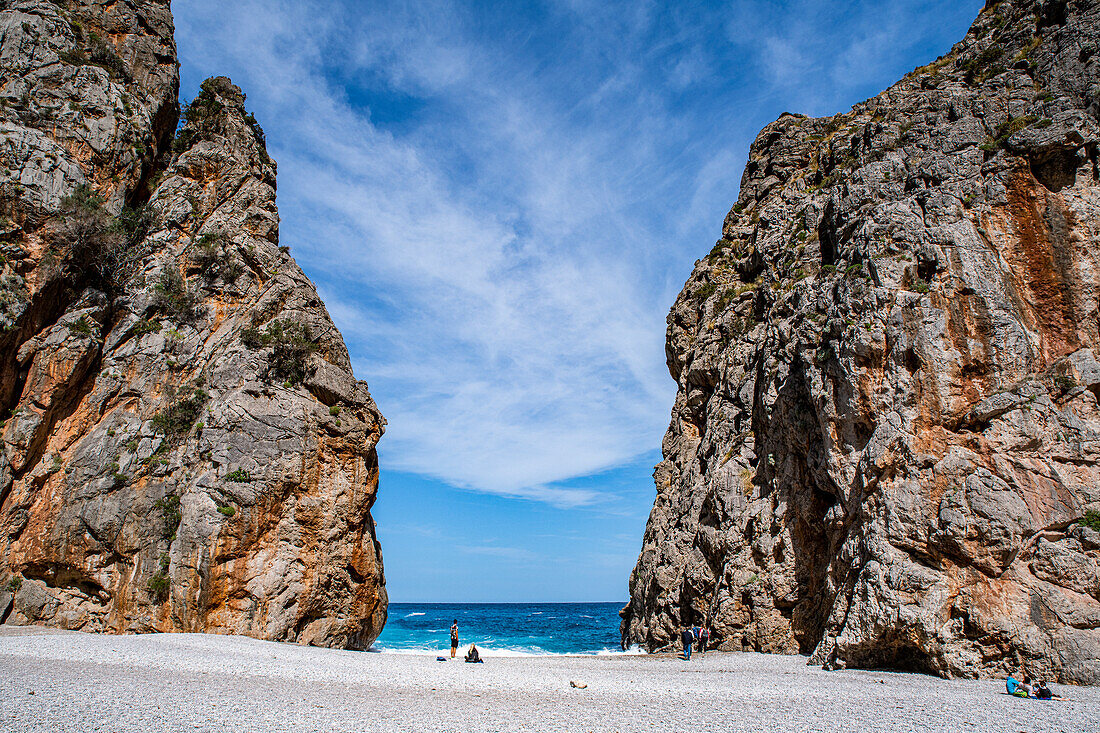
<point>503,629</point>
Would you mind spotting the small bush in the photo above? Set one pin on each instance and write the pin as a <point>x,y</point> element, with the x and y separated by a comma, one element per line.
<point>15,583</point>
<point>705,291</point>
<point>1091,520</point>
<point>180,415</point>
<point>158,586</point>
<point>208,255</point>
<point>102,54</point>
<point>82,326</point>
<point>291,347</point>
<point>174,298</point>
<point>920,285</point>
<point>184,137</point>
<point>227,511</point>
<point>253,338</point>
<point>146,326</point>
<point>1065,382</point>
<point>728,296</point>
<point>257,131</point>
<point>98,53</point>
<point>334,410</point>
<point>1006,130</point>
<point>134,224</point>
<point>98,248</point>
<point>239,476</point>
<point>985,65</point>
<point>172,514</point>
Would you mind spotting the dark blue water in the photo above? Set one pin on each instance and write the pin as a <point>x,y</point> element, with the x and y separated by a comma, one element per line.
<point>503,628</point>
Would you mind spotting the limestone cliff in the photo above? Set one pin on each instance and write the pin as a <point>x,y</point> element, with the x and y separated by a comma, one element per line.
<point>884,446</point>
<point>185,447</point>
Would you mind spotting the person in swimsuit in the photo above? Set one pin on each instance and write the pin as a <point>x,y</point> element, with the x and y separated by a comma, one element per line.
<point>454,638</point>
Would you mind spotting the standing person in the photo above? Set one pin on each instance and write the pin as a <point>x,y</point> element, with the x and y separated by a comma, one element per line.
<point>688,639</point>
<point>704,637</point>
<point>454,638</point>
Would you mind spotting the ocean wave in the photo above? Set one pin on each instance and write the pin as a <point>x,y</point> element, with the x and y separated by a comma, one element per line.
<point>489,652</point>
<point>410,615</point>
<point>633,651</point>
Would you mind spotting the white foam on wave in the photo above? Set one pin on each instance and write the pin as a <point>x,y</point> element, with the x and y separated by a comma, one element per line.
<point>410,615</point>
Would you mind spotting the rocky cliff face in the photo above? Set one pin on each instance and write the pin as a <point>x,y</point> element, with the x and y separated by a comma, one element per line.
<point>185,447</point>
<point>884,447</point>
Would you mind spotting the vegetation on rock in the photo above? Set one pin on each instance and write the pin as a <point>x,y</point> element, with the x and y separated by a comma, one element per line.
<point>290,348</point>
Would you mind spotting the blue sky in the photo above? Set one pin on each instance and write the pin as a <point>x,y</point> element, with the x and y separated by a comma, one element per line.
<point>499,203</point>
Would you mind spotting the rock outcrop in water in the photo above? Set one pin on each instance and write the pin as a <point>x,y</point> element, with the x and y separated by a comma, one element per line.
<point>884,448</point>
<point>185,447</point>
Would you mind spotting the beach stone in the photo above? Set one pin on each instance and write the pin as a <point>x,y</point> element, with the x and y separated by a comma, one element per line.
<point>885,438</point>
<point>185,445</point>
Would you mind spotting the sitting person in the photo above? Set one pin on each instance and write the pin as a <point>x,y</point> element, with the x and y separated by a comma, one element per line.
<point>1014,687</point>
<point>472,656</point>
<point>1028,687</point>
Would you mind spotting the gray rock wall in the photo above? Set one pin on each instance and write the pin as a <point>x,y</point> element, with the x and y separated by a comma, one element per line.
<point>185,447</point>
<point>883,451</point>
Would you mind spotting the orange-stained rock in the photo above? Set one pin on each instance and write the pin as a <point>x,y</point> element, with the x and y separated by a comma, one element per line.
<point>186,447</point>
<point>886,438</point>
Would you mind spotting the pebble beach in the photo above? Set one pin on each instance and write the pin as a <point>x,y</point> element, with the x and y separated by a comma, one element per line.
<point>67,681</point>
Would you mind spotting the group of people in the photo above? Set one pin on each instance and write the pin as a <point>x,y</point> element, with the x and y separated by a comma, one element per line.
<point>692,635</point>
<point>1029,688</point>
<point>472,654</point>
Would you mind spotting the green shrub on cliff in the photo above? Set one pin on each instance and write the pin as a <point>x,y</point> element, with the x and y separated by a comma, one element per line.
<point>159,583</point>
<point>173,298</point>
<point>181,414</point>
<point>98,248</point>
<point>172,515</point>
<point>98,53</point>
<point>985,65</point>
<point>291,347</point>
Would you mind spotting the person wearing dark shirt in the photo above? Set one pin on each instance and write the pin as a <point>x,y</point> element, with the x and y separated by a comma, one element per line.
<point>688,639</point>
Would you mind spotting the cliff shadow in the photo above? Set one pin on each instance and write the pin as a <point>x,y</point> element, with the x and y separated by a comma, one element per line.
<point>794,467</point>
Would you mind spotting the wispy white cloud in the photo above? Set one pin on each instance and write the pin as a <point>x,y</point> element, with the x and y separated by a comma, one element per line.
<point>498,221</point>
<point>507,553</point>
